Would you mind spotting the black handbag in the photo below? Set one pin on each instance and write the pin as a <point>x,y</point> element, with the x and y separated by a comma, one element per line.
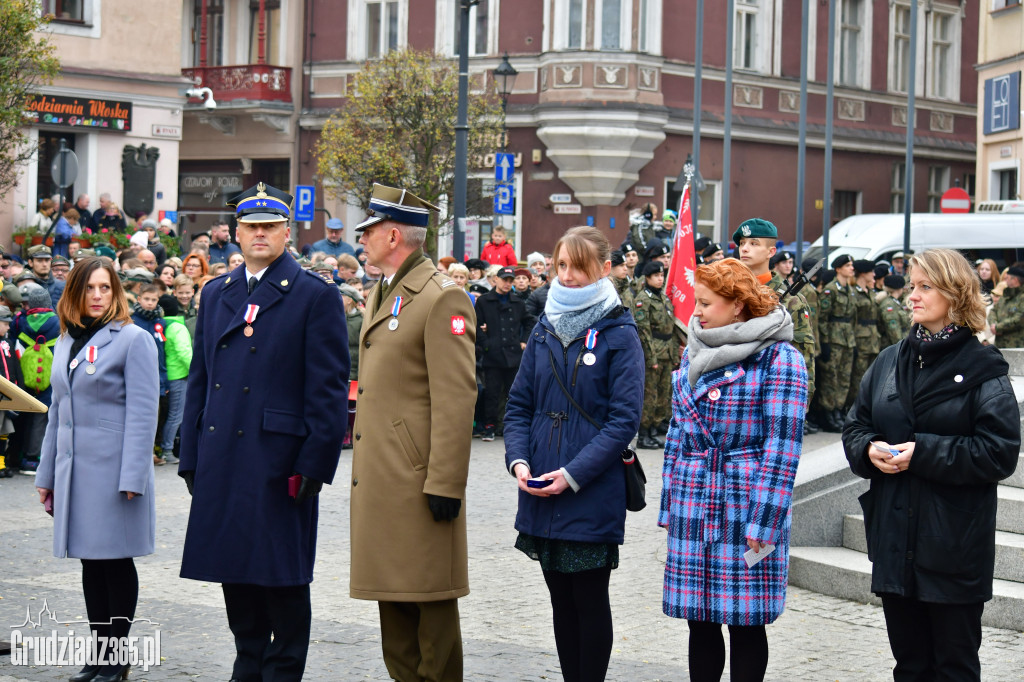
<point>636,480</point>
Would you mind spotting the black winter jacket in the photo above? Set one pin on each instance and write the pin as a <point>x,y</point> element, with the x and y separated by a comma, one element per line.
<point>931,529</point>
<point>508,325</point>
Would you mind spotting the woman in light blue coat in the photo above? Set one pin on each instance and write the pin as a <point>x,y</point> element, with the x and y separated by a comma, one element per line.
<point>96,463</point>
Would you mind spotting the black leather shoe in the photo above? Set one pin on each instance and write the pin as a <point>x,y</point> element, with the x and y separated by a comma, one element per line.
<point>121,674</point>
<point>86,674</point>
<point>662,428</point>
<point>840,417</point>
<point>645,442</point>
<point>810,429</point>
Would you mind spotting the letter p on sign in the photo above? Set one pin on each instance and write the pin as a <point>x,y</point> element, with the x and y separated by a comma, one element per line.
<point>305,203</point>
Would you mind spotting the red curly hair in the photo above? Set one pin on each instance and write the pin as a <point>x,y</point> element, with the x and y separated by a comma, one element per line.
<point>732,280</point>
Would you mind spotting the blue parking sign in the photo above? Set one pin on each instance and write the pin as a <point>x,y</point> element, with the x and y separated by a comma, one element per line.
<point>504,199</point>
<point>305,203</point>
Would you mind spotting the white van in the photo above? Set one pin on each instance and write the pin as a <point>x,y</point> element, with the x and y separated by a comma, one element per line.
<point>876,236</point>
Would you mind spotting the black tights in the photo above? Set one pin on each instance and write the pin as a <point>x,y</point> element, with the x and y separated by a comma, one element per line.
<point>111,588</point>
<point>748,652</point>
<point>583,622</point>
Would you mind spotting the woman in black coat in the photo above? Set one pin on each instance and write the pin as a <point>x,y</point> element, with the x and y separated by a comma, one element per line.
<point>935,428</point>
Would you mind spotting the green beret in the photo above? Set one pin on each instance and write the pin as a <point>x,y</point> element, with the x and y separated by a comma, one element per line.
<point>755,227</point>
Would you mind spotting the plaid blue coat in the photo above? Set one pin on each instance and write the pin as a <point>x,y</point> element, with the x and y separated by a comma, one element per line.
<point>730,457</point>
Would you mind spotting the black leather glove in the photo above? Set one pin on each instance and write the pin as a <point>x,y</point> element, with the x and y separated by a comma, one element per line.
<point>443,508</point>
<point>190,479</point>
<point>308,489</point>
<point>826,353</point>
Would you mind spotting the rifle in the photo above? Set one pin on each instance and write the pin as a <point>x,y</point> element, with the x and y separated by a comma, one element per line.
<point>802,280</point>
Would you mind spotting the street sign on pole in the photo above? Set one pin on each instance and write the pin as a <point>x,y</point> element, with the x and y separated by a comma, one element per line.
<point>504,196</point>
<point>504,167</point>
<point>305,203</point>
<point>955,200</point>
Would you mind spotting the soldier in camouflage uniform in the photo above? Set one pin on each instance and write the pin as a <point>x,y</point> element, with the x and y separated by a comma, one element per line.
<point>895,321</point>
<point>810,294</point>
<point>660,340</point>
<point>836,328</point>
<point>620,278</point>
<point>756,239</point>
<point>867,333</point>
<point>1007,316</point>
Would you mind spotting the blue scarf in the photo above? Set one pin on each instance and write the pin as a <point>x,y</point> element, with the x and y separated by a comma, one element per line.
<point>571,310</point>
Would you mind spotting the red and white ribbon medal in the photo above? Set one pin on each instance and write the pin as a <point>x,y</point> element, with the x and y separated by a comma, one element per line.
<point>251,311</point>
<point>395,309</point>
<point>158,333</point>
<point>590,342</point>
<point>91,353</point>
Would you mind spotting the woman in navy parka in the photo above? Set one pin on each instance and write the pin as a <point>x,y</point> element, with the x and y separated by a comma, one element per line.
<point>575,524</point>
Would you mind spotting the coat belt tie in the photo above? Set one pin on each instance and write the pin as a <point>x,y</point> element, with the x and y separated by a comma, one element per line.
<point>557,419</point>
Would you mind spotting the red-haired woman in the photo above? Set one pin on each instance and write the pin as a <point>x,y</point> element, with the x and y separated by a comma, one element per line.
<point>738,404</point>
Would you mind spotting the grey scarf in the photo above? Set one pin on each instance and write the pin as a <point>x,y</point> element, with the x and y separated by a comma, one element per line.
<point>711,349</point>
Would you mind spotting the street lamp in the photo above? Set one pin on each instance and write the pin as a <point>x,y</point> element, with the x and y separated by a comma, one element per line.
<point>505,77</point>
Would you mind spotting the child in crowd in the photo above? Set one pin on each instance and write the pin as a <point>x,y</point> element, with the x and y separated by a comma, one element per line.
<point>498,251</point>
<point>146,313</point>
<point>36,329</point>
<point>354,309</point>
<point>178,350</point>
<point>11,370</point>
<point>184,292</point>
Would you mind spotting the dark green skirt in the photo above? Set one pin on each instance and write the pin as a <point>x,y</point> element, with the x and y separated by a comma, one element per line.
<point>568,556</point>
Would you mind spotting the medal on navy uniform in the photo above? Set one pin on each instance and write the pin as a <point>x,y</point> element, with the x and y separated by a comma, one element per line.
<point>91,354</point>
<point>591,342</point>
<point>395,309</point>
<point>251,311</point>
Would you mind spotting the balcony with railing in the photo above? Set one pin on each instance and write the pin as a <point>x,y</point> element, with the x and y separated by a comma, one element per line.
<point>249,83</point>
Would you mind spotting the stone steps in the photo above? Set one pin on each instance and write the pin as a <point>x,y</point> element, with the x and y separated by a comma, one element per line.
<point>846,573</point>
<point>1009,548</point>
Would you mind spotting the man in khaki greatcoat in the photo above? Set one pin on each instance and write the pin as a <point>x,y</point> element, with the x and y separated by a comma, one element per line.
<point>412,436</point>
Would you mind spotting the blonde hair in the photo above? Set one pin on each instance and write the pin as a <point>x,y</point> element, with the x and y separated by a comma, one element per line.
<point>957,282</point>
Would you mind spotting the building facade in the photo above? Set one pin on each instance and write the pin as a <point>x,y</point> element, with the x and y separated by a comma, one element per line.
<point>116,103</point>
<point>245,52</point>
<point>603,106</point>
<point>998,90</point>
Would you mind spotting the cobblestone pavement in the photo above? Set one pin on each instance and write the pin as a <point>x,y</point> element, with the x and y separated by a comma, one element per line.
<point>506,619</point>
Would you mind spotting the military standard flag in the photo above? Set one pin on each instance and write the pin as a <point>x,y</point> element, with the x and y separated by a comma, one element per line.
<point>679,284</point>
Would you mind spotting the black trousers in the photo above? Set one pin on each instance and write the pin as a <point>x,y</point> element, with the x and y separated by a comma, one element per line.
<point>111,590</point>
<point>934,642</point>
<point>497,384</point>
<point>583,622</point>
<point>256,612</point>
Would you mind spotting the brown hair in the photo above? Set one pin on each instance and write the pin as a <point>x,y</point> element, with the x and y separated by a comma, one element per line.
<point>957,282</point>
<point>71,214</point>
<point>71,307</point>
<point>586,249</point>
<point>149,287</point>
<point>204,269</point>
<point>46,205</point>
<point>348,261</point>
<point>732,280</point>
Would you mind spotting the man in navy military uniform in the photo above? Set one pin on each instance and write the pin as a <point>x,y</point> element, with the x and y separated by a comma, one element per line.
<point>261,436</point>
